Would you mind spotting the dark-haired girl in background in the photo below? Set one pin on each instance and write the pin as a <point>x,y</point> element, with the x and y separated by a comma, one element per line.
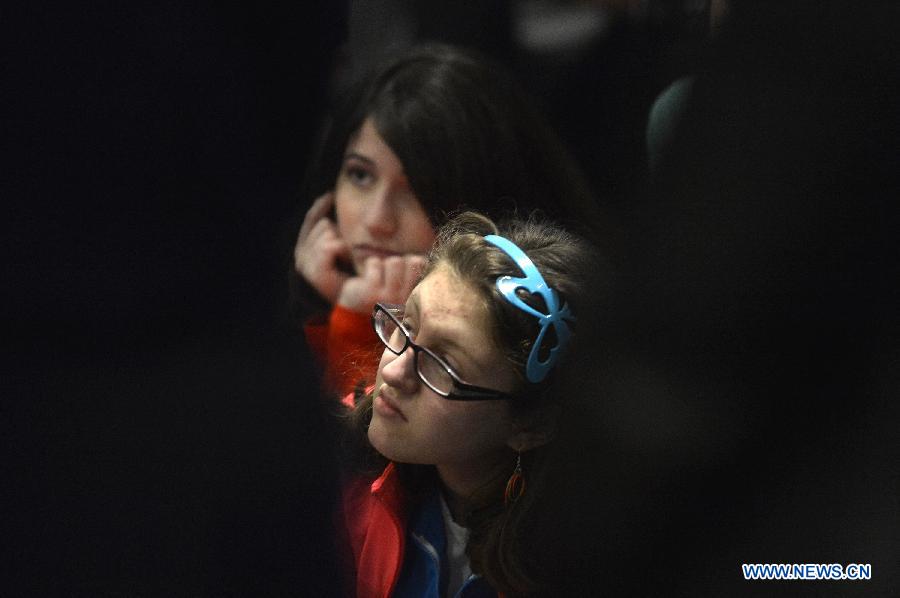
<point>433,131</point>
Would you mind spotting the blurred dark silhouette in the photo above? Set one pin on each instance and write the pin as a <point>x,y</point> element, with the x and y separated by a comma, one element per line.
<point>162,434</point>
<point>750,379</point>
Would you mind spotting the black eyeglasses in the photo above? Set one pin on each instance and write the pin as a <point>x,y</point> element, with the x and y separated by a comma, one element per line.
<point>432,370</point>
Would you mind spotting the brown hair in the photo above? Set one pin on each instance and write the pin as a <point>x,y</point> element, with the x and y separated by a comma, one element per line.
<point>468,136</point>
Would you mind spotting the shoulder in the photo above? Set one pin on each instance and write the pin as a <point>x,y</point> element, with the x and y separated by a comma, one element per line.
<point>369,504</point>
<point>373,514</point>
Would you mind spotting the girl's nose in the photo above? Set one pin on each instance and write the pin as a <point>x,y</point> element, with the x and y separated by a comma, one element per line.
<point>400,372</point>
<point>381,214</point>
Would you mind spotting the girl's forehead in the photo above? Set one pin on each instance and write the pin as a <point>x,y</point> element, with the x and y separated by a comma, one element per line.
<point>452,316</point>
<point>368,139</point>
<point>444,297</point>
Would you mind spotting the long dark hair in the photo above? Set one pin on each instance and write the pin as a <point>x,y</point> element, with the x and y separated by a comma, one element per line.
<point>501,538</point>
<point>467,135</point>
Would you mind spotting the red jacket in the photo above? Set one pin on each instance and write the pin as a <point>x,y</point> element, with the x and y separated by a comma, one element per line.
<point>374,517</point>
<point>346,347</point>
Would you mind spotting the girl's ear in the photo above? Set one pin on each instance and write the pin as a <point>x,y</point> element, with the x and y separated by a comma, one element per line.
<point>535,430</point>
<point>526,440</point>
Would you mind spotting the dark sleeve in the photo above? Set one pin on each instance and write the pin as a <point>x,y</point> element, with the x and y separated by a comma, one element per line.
<point>305,304</point>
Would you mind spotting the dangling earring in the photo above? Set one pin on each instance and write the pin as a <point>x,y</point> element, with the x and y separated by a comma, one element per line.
<point>515,486</point>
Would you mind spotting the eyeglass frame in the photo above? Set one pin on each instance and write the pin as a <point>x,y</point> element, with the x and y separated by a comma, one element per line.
<point>462,390</point>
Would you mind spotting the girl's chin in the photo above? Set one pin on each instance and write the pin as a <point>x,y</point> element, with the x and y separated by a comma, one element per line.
<point>385,447</point>
<point>376,438</point>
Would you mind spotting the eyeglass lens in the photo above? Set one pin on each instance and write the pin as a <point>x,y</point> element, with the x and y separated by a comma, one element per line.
<point>389,332</point>
<point>431,371</point>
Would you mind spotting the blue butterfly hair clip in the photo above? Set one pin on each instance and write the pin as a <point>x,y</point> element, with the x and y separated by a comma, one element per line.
<point>535,369</point>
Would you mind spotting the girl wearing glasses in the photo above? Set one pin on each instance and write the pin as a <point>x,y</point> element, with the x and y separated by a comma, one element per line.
<point>453,443</point>
<point>430,131</point>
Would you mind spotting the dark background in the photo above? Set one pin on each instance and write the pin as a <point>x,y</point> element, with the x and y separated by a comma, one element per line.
<point>750,390</point>
<point>160,428</point>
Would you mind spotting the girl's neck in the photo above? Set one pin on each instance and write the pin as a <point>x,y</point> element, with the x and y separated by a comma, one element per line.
<point>457,505</point>
<point>462,485</point>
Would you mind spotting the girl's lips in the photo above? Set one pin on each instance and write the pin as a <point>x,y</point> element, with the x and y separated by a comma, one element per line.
<point>386,406</point>
<point>364,251</point>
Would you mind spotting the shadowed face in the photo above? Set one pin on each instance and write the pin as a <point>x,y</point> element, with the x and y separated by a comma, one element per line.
<point>377,212</point>
<point>413,424</point>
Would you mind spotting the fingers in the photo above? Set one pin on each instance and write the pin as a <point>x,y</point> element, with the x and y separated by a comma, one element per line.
<point>373,272</point>
<point>401,274</point>
<point>319,247</point>
<point>415,265</point>
<point>386,280</point>
<point>359,293</point>
<point>316,225</point>
<point>318,253</point>
<point>315,214</point>
<point>335,251</point>
<point>394,275</point>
